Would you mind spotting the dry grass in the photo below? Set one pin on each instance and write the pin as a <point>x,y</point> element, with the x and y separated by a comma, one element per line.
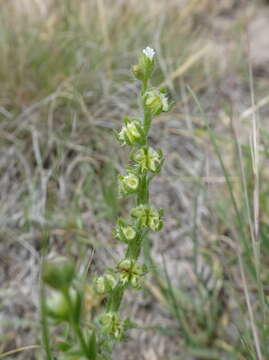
<point>64,74</point>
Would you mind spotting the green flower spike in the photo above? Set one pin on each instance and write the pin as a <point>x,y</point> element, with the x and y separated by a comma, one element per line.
<point>132,133</point>
<point>148,159</point>
<point>128,184</point>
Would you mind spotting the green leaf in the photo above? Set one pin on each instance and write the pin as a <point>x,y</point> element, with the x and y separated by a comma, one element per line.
<point>62,346</point>
<point>92,346</point>
<point>77,307</point>
<point>205,353</point>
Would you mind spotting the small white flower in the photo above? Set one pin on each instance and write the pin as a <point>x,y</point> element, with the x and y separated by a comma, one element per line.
<point>156,101</point>
<point>149,52</point>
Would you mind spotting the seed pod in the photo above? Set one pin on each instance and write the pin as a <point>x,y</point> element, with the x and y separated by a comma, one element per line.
<point>156,101</point>
<point>148,159</point>
<point>106,283</point>
<point>131,273</point>
<point>132,133</point>
<point>124,232</point>
<point>148,216</point>
<point>128,184</point>
<point>112,325</point>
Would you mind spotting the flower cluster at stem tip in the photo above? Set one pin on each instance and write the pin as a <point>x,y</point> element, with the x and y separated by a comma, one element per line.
<point>145,163</point>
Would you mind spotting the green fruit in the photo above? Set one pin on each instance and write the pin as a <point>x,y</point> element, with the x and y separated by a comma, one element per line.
<point>59,273</point>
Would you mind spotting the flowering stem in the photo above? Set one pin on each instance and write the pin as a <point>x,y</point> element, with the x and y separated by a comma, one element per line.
<point>146,162</point>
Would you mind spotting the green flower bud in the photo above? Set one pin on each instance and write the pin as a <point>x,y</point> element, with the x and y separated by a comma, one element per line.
<point>132,133</point>
<point>106,283</point>
<point>57,306</point>
<point>148,159</point>
<point>124,232</point>
<point>128,184</point>
<point>144,69</point>
<point>59,273</point>
<point>146,62</point>
<point>148,216</point>
<point>156,102</point>
<point>112,325</point>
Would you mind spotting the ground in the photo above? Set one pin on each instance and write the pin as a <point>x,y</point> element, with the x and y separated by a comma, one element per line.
<point>66,83</point>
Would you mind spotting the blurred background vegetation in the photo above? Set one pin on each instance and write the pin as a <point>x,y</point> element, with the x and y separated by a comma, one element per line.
<point>65,85</point>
